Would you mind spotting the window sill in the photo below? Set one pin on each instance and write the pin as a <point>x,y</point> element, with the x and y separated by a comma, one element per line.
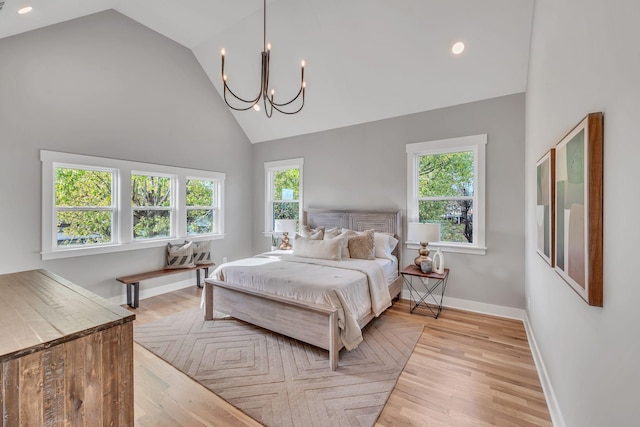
<point>122,247</point>
<point>452,248</point>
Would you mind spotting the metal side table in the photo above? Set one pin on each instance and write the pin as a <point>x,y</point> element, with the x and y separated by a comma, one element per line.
<point>426,290</point>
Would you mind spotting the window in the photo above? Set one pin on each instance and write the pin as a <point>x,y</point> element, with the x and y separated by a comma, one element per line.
<point>446,186</point>
<point>84,209</point>
<point>283,196</point>
<point>201,206</point>
<point>152,206</point>
<point>93,205</point>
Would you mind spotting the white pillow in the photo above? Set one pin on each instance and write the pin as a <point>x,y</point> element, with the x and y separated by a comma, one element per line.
<point>320,249</point>
<point>334,233</point>
<point>331,233</point>
<point>385,244</point>
<point>312,233</point>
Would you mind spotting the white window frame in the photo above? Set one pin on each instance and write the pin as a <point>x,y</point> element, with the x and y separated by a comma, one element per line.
<point>172,208</point>
<point>112,208</point>
<point>269,169</point>
<point>475,143</point>
<point>122,227</point>
<point>215,204</point>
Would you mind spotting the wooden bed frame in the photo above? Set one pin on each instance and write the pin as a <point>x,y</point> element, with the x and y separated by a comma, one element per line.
<point>313,324</point>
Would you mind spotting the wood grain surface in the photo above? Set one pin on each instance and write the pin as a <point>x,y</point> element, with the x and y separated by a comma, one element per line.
<point>66,355</point>
<point>468,369</point>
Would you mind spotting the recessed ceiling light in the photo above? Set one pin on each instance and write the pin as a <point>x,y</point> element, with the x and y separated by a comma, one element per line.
<point>457,48</point>
<point>24,10</point>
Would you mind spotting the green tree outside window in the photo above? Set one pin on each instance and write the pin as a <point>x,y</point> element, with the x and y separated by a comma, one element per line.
<point>84,211</point>
<point>151,201</point>
<point>286,194</point>
<point>445,194</point>
<point>201,201</point>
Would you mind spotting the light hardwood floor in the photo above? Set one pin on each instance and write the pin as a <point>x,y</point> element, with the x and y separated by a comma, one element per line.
<point>467,369</point>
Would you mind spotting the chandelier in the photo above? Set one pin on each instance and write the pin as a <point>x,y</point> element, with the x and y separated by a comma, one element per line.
<point>267,95</point>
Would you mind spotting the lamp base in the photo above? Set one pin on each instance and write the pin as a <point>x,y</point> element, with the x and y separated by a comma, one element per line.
<point>423,254</point>
<point>285,246</point>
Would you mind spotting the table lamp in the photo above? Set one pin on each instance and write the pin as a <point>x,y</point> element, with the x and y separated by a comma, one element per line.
<point>285,226</point>
<point>423,233</point>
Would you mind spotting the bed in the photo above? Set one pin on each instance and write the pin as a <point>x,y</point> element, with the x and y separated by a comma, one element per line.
<point>316,323</point>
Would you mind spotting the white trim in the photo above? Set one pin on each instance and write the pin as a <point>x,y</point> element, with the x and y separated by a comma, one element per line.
<point>478,307</point>
<point>269,168</point>
<point>450,247</point>
<point>123,247</point>
<point>476,144</point>
<point>552,402</point>
<point>122,231</point>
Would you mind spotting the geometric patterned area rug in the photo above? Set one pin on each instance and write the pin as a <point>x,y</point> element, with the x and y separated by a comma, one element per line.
<point>280,381</point>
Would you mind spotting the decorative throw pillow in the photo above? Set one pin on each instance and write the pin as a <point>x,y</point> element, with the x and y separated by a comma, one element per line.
<point>320,249</point>
<point>362,245</point>
<point>385,243</point>
<point>312,233</point>
<point>331,233</point>
<point>180,256</point>
<point>202,253</point>
<point>334,233</point>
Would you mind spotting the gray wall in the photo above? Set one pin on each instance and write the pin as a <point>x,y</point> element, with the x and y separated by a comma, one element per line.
<point>365,167</point>
<point>581,61</point>
<point>104,85</point>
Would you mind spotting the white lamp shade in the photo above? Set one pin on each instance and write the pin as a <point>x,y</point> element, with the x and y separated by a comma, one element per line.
<point>423,232</point>
<point>285,225</point>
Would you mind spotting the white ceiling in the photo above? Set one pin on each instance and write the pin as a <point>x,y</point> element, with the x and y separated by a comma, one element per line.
<point>366,59</point>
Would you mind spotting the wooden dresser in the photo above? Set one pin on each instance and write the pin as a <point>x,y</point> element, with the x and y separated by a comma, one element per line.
<point>66,355</point>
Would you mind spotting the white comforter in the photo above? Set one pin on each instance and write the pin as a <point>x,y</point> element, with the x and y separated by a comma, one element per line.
<point>354,287</point>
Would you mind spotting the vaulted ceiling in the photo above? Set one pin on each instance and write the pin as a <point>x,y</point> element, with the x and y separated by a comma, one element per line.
<point>366,59</point>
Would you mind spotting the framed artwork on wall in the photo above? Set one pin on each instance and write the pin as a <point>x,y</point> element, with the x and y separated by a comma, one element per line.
<point>545,206</point>
<point>578,208</point>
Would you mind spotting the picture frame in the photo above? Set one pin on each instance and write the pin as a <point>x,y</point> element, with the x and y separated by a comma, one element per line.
<point>578,208</point>
<point>545,206</point>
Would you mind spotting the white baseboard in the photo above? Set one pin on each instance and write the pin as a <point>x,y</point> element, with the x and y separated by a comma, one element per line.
<point>478,307</point>
<point>152,292</point>
<point>552,403</point>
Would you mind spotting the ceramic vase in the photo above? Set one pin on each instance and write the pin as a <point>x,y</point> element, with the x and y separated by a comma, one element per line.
<point>438,262</point>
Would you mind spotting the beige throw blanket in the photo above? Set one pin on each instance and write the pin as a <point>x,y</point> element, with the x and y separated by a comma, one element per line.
<point>355,287</point>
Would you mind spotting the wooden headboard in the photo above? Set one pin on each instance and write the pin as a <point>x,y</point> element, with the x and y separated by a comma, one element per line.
<point>382,221</point>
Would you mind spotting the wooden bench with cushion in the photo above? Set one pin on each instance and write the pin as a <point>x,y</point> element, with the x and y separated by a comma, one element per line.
<point>134,280</point>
